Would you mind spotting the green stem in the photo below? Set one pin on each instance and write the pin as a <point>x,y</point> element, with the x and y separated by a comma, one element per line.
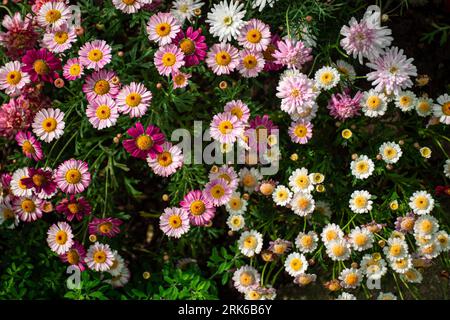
<point>262,274</point>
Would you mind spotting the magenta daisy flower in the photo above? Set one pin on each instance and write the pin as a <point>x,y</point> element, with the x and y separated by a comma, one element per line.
<point>40,180</point>
<point>228,174</point>
<point>192,44</point>
<point>174,222</point>
<point>239,109</point>
<point>250,63</point>
<point>293,54</point>
<point>262,123</point>
<point>300,131</point>
<point>218,192</point>
<point>72,176</point>
<point>95,54</point>
<point>74,208</point>
<point>60,39</point>
<point>12,79</point>
<point>134,100</point>
<point>271,64</point>
<point>73,69</point>
<point>222,58</point>
<point>101,83</point>
<point>31,147</point>
<point>226,128</point>
<point>169,59</point>
<point>393,72</point>
<point>167,162</point>
<point>296,93</point>
<point>255,35</point>
<point>20,35</point>
<point>102,112</point>
<point>14,116</point>
<point>99,257</point>
<point>162,28</point>
<point>75,255</point>
<point>28,208</point>
<point>108,227</point>
<point>200,210</point>
<point>145,142</point>
<point>342,106</point>
<point>41,65</point>
<point>128,6</point>
<point>180,79</point>
<point>60,237</point>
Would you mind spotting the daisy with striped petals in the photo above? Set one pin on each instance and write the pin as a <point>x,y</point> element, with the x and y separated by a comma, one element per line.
<point>74,208</point>
<point>41,65</point>
<point>31,147</point>
<point>95,54</point>
<point>102,112</point>
<point>239,109</point>
<point>169,59</point>
<point>60,237</point>
<point>255,36</point>
<point>128,6</point>
<point>48,124</point>
<point>162,28</point>
<point>218,192</point>
<point>134,99</point>
<point>174,222</point>
<point>200,210</point>
<point>28,208</point>
<point>226,128</point>
<point>19,189</point>
<point>144,142</point>
<point>222,58</point>
<point>12,79</point>
<point>72,176</point>
<point>251,63</point>
<point>60,39</point>
<point>167,162</point>
<point>73,69</point>
<point>101,83</point>
<point>53,14</point>
<point>99,257</point>
<point>300,131</point>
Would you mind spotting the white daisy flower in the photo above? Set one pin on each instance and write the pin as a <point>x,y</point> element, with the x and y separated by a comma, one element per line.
<point>121,279</point>
<point>250,243</point>
<point>429,251</point>
<point>424,106</point>
<point>390,152</point>
<point>261,4</point>
<point>236,222</point>
<point>350,278</point>
<point>386,296</point>
<point>53,14</point>
<point>12,78</point>
<point>421,202</point>
<point>396,249</point>
<point>443,239</point>
<point>245,278</point>
<point>326,78</point>
<point>442,109</point>
<point>250,178</point>
<point>401,265</point>
<point>362,167</point>
<point>361,239</point>
<point>373,268</point>
<point>374,104</point>
<point>426,225</point>
<point>447,168</point>
<point>17,187</point>
<point>236,204</point>
<point>307,242</point>
<point>185,9</point>
<point>406,100</point>
<point>338,250</point>
<point>412,276</point>
<point>331,232</point>
<point>360,201</point>
<point>281,195</point>
<point>302,204</point>
<point>225,20</point>
<point>295,264</point>
<point>128,6</point>
<point>299,181</point>
<point>424,239</point>
<point>48,124</point>
<point>346,296</point>
<point>60,237</point>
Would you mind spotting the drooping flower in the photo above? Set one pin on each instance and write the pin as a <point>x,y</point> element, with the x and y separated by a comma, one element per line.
<point>101,83</point>
<point>134,99</point>
<point>162,28</point>
<point>169,59</point>
<point>255,35</point>
<point>280,246</point>
<point>73,69</point>
<point>99,257</point>
<point>226,128</point>
<point>193,44</point>
<point>8,217</point>
<point>12,78</point>
<point>102,112</point>
<point>200,210</point>
<point>60,237</point>
<point>342,106</point>
<point>168,161</point>
<point>291,53</point>
<point>41,65</point>
<point>222,58</point>
<point>174,222</point>
<point>296,93</point>
<point>31,147</point>
<point>144,142</point>
<point>108,227</point>
<point>225,20</point>
<point>72,176</point>
<point>74,208</point>
<point>48,124</point>
<point>75,255</point>
<point>95,54</point>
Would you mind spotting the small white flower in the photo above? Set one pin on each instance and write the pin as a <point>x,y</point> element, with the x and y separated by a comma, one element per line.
<point>331,232</point>
<point>338,250</point>
<point>350,278</point>
<point>250,178</point>
<point>327,78</point>
<point>421,202</point>
<point>424,106</point>
<point>442,109</point>
<point>245,277</point>
<point>362,167</point>
<point>447,168</point>
<point>281,195</point>
<point>184,9</point>
<point>443,239</point>
<point>299,181</point>
<point>236,222</point>
<point>390,152</point>
<point>406,100</point>
<point>236,204</point>
<point>373,268</point>
<point>250,243</point>
<point>374,104</point>
<point>346,296</point>
<point>360,201</point>
<point>302,204</point>
<point>395,249</point>
<point>295,264</point>
<point>386,296</point>
<point>426,225</point>
<point>307,242</point>
<point>225,20</point>
<point>412,276</point>
<point>361,239</point>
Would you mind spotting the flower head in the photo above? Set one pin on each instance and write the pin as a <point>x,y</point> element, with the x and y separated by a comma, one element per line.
<point>41,65</point>
<point>193,44</point>
<point>95,54</point>
<point>108,227</point>
<point>225,19</point>
<point>200,210</point>
<point>74,208</point>
<point>12,78</point>
<point>60,237</point>
<point>174,222</point>
<point>162,28</point>
<point>168,161</point>
<point>222,58</point>
<point>134,99</point>
<point>144,142</point>
<point>72,176</point>
<point>48,124</point>
<point>169,59</point>
<point>342,106</point>
<point>31,147</point>
<point>99,257</point>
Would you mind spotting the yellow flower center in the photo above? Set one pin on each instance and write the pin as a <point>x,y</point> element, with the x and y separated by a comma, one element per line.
<point>424,106</point>
<point>250,242</point>
<point>421,203</point>
<point>373,102</point>
<point>21,185</point>
<point>446,108</point>
<point>187,46</point>
<point>235,203</point>
<point>360,201</point>
<point>228,20</point>
<point>281,195</point>
<point>27,147</point>
<point>73,257</point>
<point>401,264</point>
<point>103,112</point>
<point>236,221</point>
<point>8,214</point>
<point>13,77</point>
<point>295,93</point>
<point>249,180</point>
<point>73,176</point>
<point>395,249</point>
<point>223,58</point>
<point>41,67</point>
<point>338,250</point>
<point>254,36</point>
<point>75,69</point>
<point>164,159</point>
<point>300,131</point>
<point>303,203</point>
<point>351,279</point>
<point>246,279</point>
<point>426,226</point>
<point>61,237</point>
<point>38,179</point>
<point>405,101</point>
<point>225,177</point>
<point>197,207</point>
<point>443,239</point>
<point>49,124</point>
<point>144,142</point>
<point>362,167</point>
<point>360,239</point>
<point>169,59</point>
<point>73,208</point>
<point>389,152</point>
<point>326,78</point>
<point>129,2</point>
<point>306,241</point>
<point>179,79</point>
<point>217,191</point>
<point>163,29</point>
<point>101,87</point>
<point>52,15</point>
<point>296,264</point>
<point>28,205</point>
<point>133,99</point>
<point>61,37</point>
<point>99,257</point>
<point>331,235</point>
<point>225,127</point>
<point>250,62</point>
<point>236,111</point>
<point>105,227</point>
<point>302,182</point>
<point>175,221</point>
<point>95,55</point>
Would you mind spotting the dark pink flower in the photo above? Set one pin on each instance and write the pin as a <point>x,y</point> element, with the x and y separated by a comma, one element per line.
<point>193,45</point>
<point>74,208</point>
<point>41,65</point>
<point>108,227</point>
<point>145,142</point>
<point>75,256</point>
<point>40,180</point>
<point>31,147</point>
<point>271,64</point>
<point>342,106</point>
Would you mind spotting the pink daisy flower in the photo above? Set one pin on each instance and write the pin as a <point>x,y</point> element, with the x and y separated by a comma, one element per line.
<point>222,58</point>
<point>169,59</point>
<point>226,128</point>
<point>393,72</point>
<point>250,63</point>
<point>271,64</point>
<point>95,54</point>
<point>72,176</point>
<point>28,208</point>
<point>99,257</point>
<point>218,192</point>
<point>145,142</point>
<point>239,109</point>
<point>200,210</point>
<point>228,174</point>
<point>128,6</point>
<point>73,69</point>
<point>342,106</point>
<point>300,131</point>
<point>12,79</point>
<point>48,124</point>
<point>60,39</point>
<point>20,35</point>
<point>40,180</point>
<point>255,35</point>
<point>134,100</point>
<point>101,83</point>
<point>174,222</point>
<point>53,14</point>
<point>180,79</point>
<point>75,255</point>
<point>60,237</point>
<point>296,93</point>
<point>31,147</point>
<point>192,44</point>
<point>291,53</point>
<point>108,227</point>
<point>167,162</point>
<point>102,112</point>
<point>162,28</point>
<point>14,116</point>
<point>74,208</point>
<point>41,65</point>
